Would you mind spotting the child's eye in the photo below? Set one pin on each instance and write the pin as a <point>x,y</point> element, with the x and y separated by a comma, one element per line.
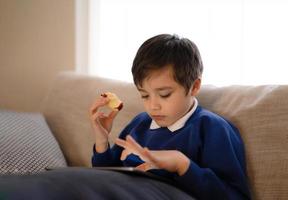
<point>144,96</point>
<point>165,95</point>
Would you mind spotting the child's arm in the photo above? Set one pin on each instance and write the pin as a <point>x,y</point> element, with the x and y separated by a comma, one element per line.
<point>111,157</point>
<point>101,124</point>
<point>204,183</point>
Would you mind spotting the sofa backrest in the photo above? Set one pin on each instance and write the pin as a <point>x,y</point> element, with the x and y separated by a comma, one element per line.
<point>260,113</point>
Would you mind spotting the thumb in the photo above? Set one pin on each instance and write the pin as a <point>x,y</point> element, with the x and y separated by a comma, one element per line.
<point>113,114</point>
<point>146,166</point>
<point>124,154</point>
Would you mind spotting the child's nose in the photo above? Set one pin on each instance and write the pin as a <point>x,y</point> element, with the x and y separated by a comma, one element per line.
<point>154,104</point>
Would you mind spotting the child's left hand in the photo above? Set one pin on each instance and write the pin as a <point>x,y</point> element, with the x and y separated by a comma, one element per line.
<point>170,160</point>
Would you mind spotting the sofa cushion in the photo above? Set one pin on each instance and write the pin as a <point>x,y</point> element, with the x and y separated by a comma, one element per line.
<point>261,114</point>
<point>27,144</point>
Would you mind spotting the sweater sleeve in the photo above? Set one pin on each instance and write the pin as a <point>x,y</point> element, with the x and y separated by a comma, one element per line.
<point>111,157</point>
<point>220,172</point>
<point>107,158</point>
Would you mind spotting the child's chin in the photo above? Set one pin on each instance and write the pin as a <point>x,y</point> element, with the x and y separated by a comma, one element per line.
<point>162,124</point>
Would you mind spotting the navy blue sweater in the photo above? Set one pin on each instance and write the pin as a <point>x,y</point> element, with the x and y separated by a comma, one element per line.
<point>213,145</point>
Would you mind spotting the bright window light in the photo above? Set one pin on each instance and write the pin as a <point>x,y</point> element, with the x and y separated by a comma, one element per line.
<point>241,41</point>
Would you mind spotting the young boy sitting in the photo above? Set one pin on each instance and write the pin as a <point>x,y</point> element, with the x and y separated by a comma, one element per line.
<point>176,138</point>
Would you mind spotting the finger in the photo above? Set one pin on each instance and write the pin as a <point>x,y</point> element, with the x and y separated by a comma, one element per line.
<point>98,103</point>
<point>143,167</point>
<point>146,166</point>
<point>131,146</point>
<point>151,158</point>
<point>113,114</point>
<point>120,142</point>
<point>134,144</point>
<point>97,115</point>
<point>137,149</point>
<point>124,154</point>
<point>147,153</point>
<point>128,149</point>
<point>124,144</point>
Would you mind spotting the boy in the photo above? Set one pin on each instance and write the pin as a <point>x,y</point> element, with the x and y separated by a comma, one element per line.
<point>176,138</point>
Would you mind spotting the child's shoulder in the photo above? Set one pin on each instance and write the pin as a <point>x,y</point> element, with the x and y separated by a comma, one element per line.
<point>205,113</point>
<point>210,118</point>
<point>214,127</point>
<point>140,118</point>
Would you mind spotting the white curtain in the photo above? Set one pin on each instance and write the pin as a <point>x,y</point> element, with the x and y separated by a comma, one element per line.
<point>241,41</point>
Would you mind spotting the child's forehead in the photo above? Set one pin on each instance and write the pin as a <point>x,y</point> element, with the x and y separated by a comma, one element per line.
<point>160,78</point>
<point>166,70</point>
<point>165,73</point>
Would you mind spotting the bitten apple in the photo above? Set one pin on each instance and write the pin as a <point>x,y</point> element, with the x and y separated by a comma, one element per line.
<point>114,102</point>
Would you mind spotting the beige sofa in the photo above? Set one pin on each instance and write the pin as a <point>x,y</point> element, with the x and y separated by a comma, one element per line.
<point>260,113</point>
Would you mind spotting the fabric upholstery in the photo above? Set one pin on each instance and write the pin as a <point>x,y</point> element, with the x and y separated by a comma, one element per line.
<point>27,144</point>
<point>261,114</point>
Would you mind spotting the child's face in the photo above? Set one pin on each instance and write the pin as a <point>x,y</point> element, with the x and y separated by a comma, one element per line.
<point>164,99</point>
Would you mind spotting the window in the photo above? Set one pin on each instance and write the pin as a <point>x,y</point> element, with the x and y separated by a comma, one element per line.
<point>241,41</point>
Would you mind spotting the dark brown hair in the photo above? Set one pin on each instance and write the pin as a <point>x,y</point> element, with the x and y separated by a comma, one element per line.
<point>165,49</point>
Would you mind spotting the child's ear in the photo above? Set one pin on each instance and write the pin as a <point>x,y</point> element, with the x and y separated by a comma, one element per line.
<point>196,87</point>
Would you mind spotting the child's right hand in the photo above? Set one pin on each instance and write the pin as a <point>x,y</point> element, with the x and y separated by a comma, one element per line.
<point>101,123</point>
<point>170,160</point>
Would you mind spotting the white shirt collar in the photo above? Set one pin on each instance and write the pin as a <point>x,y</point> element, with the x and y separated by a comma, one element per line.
<point>180,122</point>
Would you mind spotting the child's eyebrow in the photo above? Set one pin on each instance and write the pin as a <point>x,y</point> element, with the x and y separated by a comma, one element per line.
<point>164,88</point>
<point>141,90</point>
<point>157,89</point>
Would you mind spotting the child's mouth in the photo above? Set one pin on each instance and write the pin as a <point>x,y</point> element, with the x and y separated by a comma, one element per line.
<point>158,117</point>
